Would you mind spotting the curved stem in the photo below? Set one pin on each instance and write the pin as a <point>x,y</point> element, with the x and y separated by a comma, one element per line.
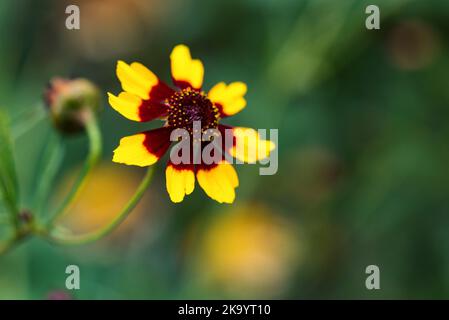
<point>93,236</point>
<point>14,240</point>
<point>94,136</point>
<point>27,120</point>
<point>3,218</point>
<point>7,245</point>
<point>51,161</point>
<point>13,214</point>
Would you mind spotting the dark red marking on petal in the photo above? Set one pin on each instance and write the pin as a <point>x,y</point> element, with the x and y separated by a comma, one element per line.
<point>157,141</point>
<point>181,166</point>
<point>219,106</point>
<point>205,167</point>
<point>150,110</point>
<point>161,91</point>
<point>182,84</point>
<point>155,107</point>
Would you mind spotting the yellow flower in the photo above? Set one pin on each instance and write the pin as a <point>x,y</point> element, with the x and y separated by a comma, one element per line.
<point>145,97</point>
<point>98,203</point>
<point>249,251</point>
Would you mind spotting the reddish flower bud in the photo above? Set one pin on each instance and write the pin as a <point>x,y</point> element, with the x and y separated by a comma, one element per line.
<point>71,102</point>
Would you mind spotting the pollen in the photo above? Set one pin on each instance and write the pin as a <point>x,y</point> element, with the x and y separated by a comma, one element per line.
<point>187,106</point>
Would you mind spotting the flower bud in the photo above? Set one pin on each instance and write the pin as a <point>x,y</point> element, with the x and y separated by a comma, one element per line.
<point>71,102</point>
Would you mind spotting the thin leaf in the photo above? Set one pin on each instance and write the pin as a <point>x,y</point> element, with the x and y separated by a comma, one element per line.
<point>8,177</point>
<point>27,121</point>
<point>49,165</point>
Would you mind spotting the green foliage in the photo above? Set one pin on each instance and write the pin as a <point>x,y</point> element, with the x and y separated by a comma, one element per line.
<point>363,142</point>
<point>8,178</point>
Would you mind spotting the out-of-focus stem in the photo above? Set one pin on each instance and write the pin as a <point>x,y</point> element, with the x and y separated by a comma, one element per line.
<point>96,235</point>
<point>15,239</point>
<point>7,245</point>
<point>95,142</point>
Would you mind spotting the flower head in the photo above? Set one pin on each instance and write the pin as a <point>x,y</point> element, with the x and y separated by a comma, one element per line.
<point>145,97</point>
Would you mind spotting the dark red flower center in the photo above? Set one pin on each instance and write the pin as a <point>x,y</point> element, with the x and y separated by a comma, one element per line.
<point>187,106</point>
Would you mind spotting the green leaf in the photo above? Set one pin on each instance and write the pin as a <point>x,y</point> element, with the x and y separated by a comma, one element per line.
<point>8,178</point>
<point>49,165</point>
<point>23,123</point>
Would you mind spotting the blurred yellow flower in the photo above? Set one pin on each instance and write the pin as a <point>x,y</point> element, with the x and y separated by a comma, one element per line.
<point>249,251</point>
<point>99,201</point>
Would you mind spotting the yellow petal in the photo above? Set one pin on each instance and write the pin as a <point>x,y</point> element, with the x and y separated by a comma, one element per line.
<point>132,107</point>
<point>229,98</point>
<point>127,104</point>
<point>144,72</point>
<point>249,147</point>
<point>136,79</point>
<point>184,69</point>
<point>143,149</point>
<point>219,182</point>
<point>180,181</point>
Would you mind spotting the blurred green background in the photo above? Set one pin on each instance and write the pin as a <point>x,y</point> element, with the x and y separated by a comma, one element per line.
<point>363,154</point>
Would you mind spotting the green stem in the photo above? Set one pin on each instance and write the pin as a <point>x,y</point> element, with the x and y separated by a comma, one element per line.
<point>15,239</point>
<point>4,219</point>
<point>25,122</point>
<point>93,236</point>
<point>94,136</point>
<point>51,160</point>
<point>7,245</point>
<point>13,214</point>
